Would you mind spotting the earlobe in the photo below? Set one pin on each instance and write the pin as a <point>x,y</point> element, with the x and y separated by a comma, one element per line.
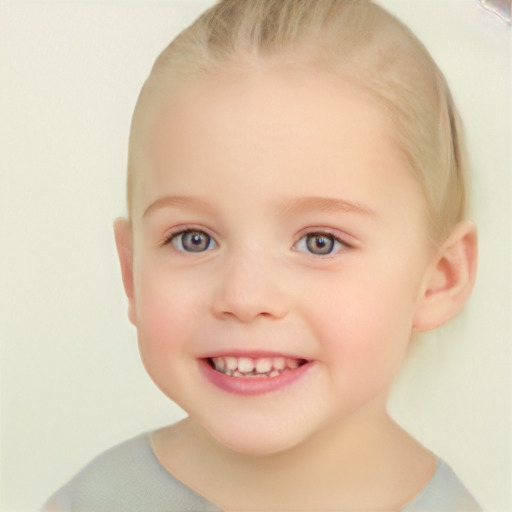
<point>124,244</point>
<point>449,279</point>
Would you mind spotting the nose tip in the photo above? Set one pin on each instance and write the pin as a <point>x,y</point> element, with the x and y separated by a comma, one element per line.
<point>246,306</point>
<point>246,294</point>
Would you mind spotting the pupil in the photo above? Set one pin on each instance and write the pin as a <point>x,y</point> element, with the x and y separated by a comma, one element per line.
<point>196,241</point>
<point>320,244</point>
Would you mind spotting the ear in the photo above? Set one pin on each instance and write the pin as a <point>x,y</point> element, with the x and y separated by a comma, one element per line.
<point>449,279</point>
<point>124,244</point>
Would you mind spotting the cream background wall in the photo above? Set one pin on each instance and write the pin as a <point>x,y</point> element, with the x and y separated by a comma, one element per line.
<point>71,381</point>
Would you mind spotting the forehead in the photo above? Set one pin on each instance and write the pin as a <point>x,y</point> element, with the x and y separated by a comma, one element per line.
<point>266,127</point>
<point>290,100</point>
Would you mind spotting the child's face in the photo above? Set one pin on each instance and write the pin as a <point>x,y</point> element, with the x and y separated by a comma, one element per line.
<point>275,218</point>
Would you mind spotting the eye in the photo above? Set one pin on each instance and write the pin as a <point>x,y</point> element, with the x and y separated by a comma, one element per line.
<point>192,240</point>
<point>319,244</point>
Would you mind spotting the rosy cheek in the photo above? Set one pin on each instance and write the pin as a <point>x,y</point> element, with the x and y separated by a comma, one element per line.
<point>165,310</point>
<point>362,323</point>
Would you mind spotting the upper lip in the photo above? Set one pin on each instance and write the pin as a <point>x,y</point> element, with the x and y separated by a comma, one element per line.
<point>251,354</point>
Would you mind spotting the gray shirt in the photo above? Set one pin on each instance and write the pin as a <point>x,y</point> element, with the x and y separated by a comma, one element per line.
<point>129,478</point>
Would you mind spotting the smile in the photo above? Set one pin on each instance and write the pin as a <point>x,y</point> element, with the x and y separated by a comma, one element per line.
<point>246,375</point>
<point>254,367</point>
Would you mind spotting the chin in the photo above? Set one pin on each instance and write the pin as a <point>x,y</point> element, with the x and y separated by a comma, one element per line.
<point>259,440</point>
<point>257,446</point>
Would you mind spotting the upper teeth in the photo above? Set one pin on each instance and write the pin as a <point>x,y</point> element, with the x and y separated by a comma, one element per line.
<point>247,366</point>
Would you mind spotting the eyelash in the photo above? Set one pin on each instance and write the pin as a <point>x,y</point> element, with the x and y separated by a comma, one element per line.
<point>176,239</point>
<point>338,244</point>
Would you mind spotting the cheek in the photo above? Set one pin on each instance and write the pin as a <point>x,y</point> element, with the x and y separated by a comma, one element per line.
<point>365,322</point>
<point>166,316</point>
<point>165,308</point>
<point>368,348</point>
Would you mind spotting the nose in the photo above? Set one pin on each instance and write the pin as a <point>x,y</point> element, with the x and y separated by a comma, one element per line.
<point>248,289</point>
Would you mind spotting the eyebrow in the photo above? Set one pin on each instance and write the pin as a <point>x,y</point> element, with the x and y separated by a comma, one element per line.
<point>326,204</point>
<point>198,203</point>
<point>293,206</point>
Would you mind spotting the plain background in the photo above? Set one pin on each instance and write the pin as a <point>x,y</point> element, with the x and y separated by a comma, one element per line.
<point>72,383</point>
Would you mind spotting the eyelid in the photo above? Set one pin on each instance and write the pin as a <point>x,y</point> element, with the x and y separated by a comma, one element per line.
<point>338,235</point>
<point>344,239</point>
<point>184,228</point>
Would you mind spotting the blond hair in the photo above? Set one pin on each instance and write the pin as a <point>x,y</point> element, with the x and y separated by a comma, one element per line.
<point>356,40</point>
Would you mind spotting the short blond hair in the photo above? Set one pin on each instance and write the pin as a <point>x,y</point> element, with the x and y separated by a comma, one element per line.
<point>356,40</point>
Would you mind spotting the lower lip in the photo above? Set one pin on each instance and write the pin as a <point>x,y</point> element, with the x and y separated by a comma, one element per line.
<point>250,386</point>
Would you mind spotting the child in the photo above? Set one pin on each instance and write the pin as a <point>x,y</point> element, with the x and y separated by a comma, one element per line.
<point>297,215</point>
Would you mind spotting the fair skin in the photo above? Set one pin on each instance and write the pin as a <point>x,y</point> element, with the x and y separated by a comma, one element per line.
<point>276,218</point>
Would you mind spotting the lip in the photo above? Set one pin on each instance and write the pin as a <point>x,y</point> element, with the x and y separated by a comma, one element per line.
<point>253,354</point>
<point>251,386</point>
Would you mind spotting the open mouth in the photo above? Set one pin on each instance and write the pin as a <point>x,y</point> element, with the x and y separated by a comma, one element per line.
<point>254,367</point>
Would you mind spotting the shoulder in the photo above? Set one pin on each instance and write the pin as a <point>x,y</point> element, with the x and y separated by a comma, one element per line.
<point>444,493</point>
<point>125,478</point>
